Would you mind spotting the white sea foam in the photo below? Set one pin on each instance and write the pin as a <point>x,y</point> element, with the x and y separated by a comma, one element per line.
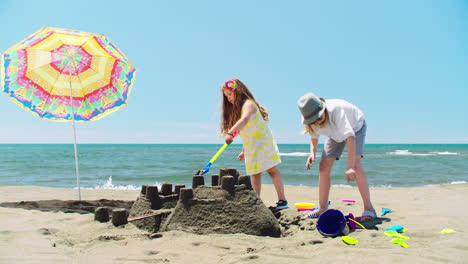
<point>108,185</point>
<point>342,185</point>
<point>458,182</point>
<point>450,183</point>
<point>296,154</point>
<point>381,186</point>
<point>445,153</point>
<point>405,152</point>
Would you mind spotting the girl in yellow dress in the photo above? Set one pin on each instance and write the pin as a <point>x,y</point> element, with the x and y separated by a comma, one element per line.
<point>240,112</point>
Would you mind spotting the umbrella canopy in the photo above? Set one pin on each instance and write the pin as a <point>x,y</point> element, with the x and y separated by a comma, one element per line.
<point>66,75</point>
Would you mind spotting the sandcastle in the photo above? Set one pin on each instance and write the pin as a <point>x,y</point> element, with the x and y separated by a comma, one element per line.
<point>228,206</point>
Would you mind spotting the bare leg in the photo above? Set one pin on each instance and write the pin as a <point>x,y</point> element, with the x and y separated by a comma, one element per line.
<point>362,184</point>
<point>324,183</point>
<point>277,182</point>
<point>257,183</point>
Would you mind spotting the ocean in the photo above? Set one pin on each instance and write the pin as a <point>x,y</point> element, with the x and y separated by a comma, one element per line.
<point>121,166</point>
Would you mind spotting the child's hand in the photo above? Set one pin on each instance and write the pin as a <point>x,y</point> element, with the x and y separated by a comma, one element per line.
<point>350,174</point>
<point>241,156</point>
<point>228,139</point>
<point>310,161</point>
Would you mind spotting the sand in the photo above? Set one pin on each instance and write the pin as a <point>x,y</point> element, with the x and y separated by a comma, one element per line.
<point>34,236</point>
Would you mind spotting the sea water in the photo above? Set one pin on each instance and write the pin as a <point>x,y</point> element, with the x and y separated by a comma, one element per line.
<point>120,166</point>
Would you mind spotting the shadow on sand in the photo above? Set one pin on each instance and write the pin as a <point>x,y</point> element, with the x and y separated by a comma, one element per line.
<point>69,206</point>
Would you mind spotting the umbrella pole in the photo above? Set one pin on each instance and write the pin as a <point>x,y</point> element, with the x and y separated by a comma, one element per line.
<point>76,160</point>
<point>77,171</point>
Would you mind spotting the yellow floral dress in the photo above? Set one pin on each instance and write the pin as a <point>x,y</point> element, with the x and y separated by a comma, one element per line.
<point>260,150</point>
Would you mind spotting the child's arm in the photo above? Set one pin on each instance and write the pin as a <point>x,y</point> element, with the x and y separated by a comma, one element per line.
<point>248,109</point>
<point>313,150</point>
<point>350,171</point>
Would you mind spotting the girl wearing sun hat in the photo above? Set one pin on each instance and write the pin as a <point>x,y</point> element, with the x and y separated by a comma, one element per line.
<point>344,124</point>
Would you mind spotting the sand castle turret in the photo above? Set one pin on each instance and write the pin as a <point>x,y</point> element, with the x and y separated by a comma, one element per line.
<point>228,206</point>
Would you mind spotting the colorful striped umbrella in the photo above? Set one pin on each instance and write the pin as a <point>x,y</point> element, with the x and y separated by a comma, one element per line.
<point>56,72</point>
<point>67,75</point>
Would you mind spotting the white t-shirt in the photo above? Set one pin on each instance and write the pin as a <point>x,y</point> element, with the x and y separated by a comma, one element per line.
<point>344,120</point>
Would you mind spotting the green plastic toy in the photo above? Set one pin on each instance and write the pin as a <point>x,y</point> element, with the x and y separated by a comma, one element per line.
<point>349,240</point>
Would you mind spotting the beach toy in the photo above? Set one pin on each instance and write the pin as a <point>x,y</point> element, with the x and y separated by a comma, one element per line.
<point>213,159</point>
<point>304,205</point>
<point>400,242</point>
<point>391,233</point>
<point>332,223</point>
<point>349,240</point>
<point>357,223</point>
<point>396,228</point>
<point>447,231</point>
<point>348,201</point>
<point>306,209</point>
<point>385,211</point>
<point>351,221</point>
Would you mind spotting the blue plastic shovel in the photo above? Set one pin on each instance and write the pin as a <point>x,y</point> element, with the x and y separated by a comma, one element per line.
<point>212,160</point>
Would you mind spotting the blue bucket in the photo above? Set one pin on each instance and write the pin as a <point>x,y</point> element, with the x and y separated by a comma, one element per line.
<point>331,223</point>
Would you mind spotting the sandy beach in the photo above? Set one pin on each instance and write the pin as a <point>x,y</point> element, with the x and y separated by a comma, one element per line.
<point>34,236</point>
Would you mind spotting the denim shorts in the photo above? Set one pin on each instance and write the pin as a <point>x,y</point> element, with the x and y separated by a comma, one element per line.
<point>333,149</point>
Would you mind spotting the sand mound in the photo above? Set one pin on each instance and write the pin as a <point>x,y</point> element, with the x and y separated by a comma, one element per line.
<point>229,208</point>
<point>215,210</point>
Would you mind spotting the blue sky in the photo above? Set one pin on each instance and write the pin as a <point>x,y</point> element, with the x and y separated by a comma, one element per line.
<point>404,63</point>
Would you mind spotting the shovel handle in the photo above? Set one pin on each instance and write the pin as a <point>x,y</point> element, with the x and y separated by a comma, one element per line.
<point>223,148</point>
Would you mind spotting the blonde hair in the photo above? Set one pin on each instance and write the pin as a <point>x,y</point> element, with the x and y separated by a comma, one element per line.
<point>309,129</point>
<point>231,113</point>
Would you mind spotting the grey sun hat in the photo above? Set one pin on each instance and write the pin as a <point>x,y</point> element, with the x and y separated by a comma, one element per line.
<point>311,107</point>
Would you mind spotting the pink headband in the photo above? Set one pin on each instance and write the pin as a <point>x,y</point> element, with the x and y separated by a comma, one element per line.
<point>230,85</point>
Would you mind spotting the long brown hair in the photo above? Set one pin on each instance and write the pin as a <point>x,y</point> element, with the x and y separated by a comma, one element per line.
<point>231,113</point>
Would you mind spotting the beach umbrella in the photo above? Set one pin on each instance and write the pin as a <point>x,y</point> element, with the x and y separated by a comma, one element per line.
<point>67,75</point>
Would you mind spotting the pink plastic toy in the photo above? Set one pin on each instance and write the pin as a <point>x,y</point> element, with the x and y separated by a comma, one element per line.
<point>306,209</point>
